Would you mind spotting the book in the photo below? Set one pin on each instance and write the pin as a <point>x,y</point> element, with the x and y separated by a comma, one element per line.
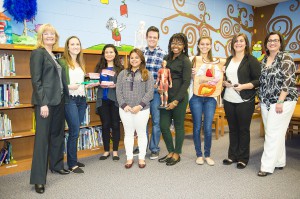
<point>3,154</point>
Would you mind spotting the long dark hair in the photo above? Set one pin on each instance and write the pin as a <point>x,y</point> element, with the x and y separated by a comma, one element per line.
<point>181,38</point>
<point>142,67</point>
<point>102,64</point>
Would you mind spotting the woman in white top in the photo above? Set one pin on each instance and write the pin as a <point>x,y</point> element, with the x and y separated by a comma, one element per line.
<point>242,72</point>
<point>73,63</point>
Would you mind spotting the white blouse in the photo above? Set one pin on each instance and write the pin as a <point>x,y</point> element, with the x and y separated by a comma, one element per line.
<point>230,94</point>
<point>76,77</point>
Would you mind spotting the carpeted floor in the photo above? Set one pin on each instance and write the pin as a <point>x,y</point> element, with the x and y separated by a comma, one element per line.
<point>108,179</point>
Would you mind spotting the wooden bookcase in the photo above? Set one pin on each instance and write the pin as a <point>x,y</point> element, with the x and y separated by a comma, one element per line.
<point>22,139</point>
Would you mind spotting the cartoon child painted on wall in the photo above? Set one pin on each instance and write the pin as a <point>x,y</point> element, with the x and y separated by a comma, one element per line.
<point>112,25</point>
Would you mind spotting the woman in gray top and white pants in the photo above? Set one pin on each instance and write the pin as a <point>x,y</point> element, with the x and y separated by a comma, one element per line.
<point>134,92</point>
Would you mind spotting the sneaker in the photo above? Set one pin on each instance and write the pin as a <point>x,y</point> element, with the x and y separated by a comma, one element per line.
<point>200,160</point>
<point>154,155</point>
<point>210,161</point>
<point>136,151</point>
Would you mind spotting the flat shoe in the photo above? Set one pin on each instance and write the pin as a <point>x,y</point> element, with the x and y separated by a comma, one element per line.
<point>103,157</point>
<point>200,160</point>
<point>173,161</point>
<point>116,158</point>
<point>279,168</point>
<point>262,174</point>
<point>164,159</point>
<point>80,164</point>
<point>241,165</point>
<point>210,161</point>
<point>141,166</point>
<point>227,161</point>
<point>76,169</point>
<point>61,172</point>
<point>128,166</point>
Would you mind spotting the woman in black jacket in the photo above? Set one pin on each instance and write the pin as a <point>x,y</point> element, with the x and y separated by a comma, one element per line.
<point>242,72</point>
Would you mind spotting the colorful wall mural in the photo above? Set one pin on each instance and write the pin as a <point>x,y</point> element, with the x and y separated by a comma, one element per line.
<point>283,17</point>
<point>122,22</point>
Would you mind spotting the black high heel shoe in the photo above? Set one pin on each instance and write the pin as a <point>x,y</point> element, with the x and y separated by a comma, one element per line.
<point>61,172</point>
<point>173,161</point>
<point>39,188</point>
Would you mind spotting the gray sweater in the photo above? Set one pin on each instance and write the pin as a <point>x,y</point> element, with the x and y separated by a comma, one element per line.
<point>132,90</point>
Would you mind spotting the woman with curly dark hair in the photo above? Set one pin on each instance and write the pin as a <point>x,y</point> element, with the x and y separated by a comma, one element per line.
<point>181,68</point>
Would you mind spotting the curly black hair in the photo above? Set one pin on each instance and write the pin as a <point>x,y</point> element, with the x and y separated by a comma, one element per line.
<point>180,37</point>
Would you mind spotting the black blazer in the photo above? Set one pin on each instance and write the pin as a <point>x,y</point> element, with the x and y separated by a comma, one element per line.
<point>248,71</point>
<point>45,79</point>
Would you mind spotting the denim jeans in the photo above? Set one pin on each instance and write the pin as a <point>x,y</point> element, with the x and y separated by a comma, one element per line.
<point>207,107</point>
<point>155,115</point>
<point>74,111</point>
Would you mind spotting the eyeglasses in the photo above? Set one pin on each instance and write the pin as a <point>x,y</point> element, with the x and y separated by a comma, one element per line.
<point>176,44</point>
<point>273,40</point>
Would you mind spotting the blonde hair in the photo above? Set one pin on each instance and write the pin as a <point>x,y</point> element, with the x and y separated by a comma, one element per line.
<point>42,29</point>
<point>79,57</point>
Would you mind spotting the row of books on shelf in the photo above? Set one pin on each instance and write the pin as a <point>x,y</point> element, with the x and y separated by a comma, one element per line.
<point>9,94</point>
<point>6,156</point>
<point>5,126</point>
<point>91,94</point>
<point>88,138</point>
<point>7,65</point>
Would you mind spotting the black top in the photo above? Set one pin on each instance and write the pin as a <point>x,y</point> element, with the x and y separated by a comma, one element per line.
<point>248,71</point>
<point>181,71</point>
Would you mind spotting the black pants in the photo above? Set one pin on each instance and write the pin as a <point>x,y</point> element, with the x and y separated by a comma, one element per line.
<point>239,117</point>
<point>110,118</point>
<point>48,143</point>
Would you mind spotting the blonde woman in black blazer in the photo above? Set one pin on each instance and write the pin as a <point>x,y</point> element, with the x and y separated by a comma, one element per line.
<point>49,94</point>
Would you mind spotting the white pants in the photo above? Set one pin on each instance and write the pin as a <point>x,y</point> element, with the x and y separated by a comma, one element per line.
<point>135,122</point>
<point>275,129</point>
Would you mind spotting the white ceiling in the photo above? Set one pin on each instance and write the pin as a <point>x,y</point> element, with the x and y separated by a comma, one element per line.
<point>260,3</point>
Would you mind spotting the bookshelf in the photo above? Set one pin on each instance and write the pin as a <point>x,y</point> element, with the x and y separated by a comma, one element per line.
<point>21,115</point>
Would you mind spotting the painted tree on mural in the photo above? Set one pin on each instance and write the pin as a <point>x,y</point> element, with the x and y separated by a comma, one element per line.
<point>281,23</point>
<point>229,26</point>
<point>289,32</point>
<point>21,10</point>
